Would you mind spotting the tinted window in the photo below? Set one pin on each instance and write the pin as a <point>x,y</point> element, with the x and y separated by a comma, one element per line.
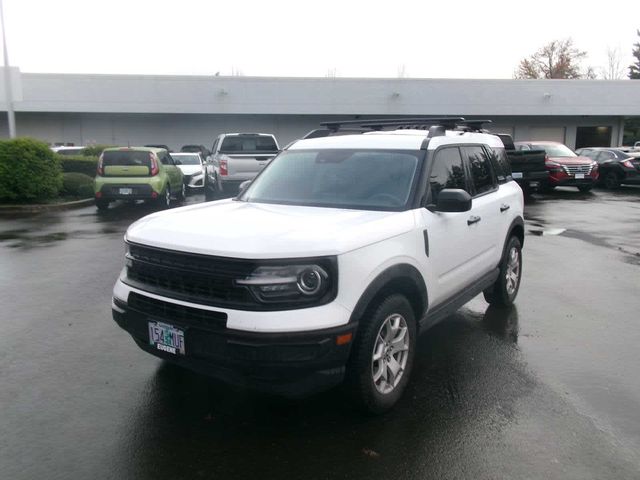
<point>480,168</point>
<point>165,159</point>
<point>604,156</point>
<point>500,164</point>
<point>126,158</point>
<point>187,159</point>
<point>248,143</point>
<point>555,149</point>
<point>447,172</point>
<point>369,179</point>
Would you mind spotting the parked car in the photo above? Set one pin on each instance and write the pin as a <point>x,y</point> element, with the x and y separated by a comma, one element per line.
<point>204,151</point>
<point>164,147</point>
<point>137,173</point>
<point>235,158</point>
<point>192,166</point>
<point>616,166</point>
<point>528,167</point>
<point>565,167</point>
<point>330,263</point>
<point>69,150</point>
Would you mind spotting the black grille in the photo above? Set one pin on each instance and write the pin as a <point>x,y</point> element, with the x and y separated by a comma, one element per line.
<point>202,279</point>
<point>177,313</point>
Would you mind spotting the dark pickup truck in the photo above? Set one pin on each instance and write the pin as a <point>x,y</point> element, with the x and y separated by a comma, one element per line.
<point>528,167</point>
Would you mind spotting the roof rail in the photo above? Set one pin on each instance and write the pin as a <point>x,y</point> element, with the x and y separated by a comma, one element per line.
<point>472,125</point>
<point>421,123</point>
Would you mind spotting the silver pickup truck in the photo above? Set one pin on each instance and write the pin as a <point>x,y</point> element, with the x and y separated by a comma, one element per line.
<point>236,158</point>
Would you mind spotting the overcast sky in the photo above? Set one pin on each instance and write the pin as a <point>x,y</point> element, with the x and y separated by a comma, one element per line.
<point>465,39</point>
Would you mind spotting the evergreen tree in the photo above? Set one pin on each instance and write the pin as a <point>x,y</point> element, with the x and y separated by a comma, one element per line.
<point>634,69</point>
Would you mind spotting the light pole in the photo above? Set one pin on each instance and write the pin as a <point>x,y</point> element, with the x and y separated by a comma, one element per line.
<point>7,80</point>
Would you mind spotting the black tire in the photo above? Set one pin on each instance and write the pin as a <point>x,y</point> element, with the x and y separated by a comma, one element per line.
<point>102,204</point>
<point>548,188</point>
<point>183,193</point>
<point>164,199</point>
<point>502,292</point>
<point>210,191</point>
<point>585,188</point>
<point>611,181</point>
<point>360,370</point>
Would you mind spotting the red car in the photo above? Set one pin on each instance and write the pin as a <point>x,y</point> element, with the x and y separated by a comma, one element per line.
<point>564,166</point>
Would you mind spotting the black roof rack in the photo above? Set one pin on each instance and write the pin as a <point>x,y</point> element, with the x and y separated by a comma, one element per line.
<point>472,125</point>
<point>421,123</point>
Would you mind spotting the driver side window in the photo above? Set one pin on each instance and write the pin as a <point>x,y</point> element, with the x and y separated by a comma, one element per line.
<point>447,171</point>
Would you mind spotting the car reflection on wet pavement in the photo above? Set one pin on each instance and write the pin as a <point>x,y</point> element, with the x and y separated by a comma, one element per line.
<point>546,389</point>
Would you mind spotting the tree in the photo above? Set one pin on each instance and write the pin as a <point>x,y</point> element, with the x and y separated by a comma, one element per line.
<point>557,59</point>
<point>614,69</point>
<point>634,69</point>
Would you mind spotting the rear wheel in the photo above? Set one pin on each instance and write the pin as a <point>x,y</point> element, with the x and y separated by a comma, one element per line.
<point>183,193</point>
<point>210,190</point>
<point>611,180</point>
<point>505,289</point>
<point>585,188</point>
<point>164,199</point>
<point>102,205</point>
<point>382,357</point>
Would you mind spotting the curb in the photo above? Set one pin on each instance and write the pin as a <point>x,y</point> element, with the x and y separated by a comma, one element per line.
<point>46,207</point>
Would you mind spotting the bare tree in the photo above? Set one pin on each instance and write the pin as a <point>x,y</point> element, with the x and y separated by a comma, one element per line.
<point>332,73</point>
<point>557,59</point>
<point>614,69</point>
<point>402,71</point>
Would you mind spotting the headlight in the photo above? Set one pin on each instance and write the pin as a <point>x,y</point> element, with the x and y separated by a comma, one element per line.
<point>305,283</point>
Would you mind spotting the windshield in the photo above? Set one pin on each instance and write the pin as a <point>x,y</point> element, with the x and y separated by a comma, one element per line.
<point>248,144</point>
<point>358,179</point>
<point>555,149</point>
<point>187,159</point>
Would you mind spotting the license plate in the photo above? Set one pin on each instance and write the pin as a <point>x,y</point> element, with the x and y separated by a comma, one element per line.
<point>166,338</point>
<point>126,191</point>
<point>516,174</point>
<point>579,176</point>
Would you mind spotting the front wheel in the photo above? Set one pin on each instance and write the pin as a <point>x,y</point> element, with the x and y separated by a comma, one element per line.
<point>585,188</point>
<point>382,358</point>
<point>505,289</point>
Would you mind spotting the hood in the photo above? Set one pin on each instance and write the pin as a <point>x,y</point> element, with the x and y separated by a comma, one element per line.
<point>231,228</point>
<point>191,169</point>
<point>571,160</point>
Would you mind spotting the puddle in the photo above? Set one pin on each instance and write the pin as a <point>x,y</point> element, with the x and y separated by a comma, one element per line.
<point>548,231</point>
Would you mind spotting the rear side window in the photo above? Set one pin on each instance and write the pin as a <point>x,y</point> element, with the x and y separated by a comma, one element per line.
<point>500,163</point>
<point>480,169</point>
<point>126,158</point>
<point>248,144</point>
<point>447,172</point>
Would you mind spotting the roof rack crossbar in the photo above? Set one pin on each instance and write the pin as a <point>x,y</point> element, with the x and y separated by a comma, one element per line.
<point>379,124</point>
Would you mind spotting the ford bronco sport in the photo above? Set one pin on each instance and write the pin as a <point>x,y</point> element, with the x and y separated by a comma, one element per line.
<point>325,269</point>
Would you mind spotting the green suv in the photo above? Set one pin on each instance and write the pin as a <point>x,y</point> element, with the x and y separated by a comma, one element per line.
<point>138,173</point>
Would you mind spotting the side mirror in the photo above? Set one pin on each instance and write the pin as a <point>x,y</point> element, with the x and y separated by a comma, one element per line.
<point>243,186</point>
<point>453,200</point>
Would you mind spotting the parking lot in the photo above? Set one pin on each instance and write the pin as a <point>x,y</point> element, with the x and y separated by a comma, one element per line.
<point>548,389</point>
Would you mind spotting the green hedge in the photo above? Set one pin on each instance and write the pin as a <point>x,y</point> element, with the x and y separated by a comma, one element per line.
<point>79,164</point>
<point>29,171</point>
<point>77,185</point>
<point>94,150</point>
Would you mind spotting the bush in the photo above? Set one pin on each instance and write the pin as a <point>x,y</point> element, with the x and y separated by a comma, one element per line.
<point>79,164</point>
<point>29,171</point>
<point>77,185</point>
<point>94,150</point>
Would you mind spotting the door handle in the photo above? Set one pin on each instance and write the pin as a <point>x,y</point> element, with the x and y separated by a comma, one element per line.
<point>473,219</point>
<point>504,207</point>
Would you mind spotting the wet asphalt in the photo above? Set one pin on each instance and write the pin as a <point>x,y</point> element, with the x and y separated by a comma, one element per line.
<point>547,389</point>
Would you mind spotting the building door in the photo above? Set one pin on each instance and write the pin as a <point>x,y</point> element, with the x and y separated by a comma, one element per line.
<point>593,137</point>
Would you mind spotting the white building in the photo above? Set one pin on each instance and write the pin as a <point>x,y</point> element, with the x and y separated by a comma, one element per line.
<point>177,110</point>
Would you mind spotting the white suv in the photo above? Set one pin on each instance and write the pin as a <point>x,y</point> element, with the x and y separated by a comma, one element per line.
<point>330,263</point>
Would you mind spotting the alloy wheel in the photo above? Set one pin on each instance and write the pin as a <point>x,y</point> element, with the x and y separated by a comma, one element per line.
<point>513,271</point>
<point>390,353</point>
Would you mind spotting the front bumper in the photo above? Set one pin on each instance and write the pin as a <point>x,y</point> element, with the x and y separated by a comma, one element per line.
<point>194,181</point>
<point>562,179</point>
<point>291,364</point>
